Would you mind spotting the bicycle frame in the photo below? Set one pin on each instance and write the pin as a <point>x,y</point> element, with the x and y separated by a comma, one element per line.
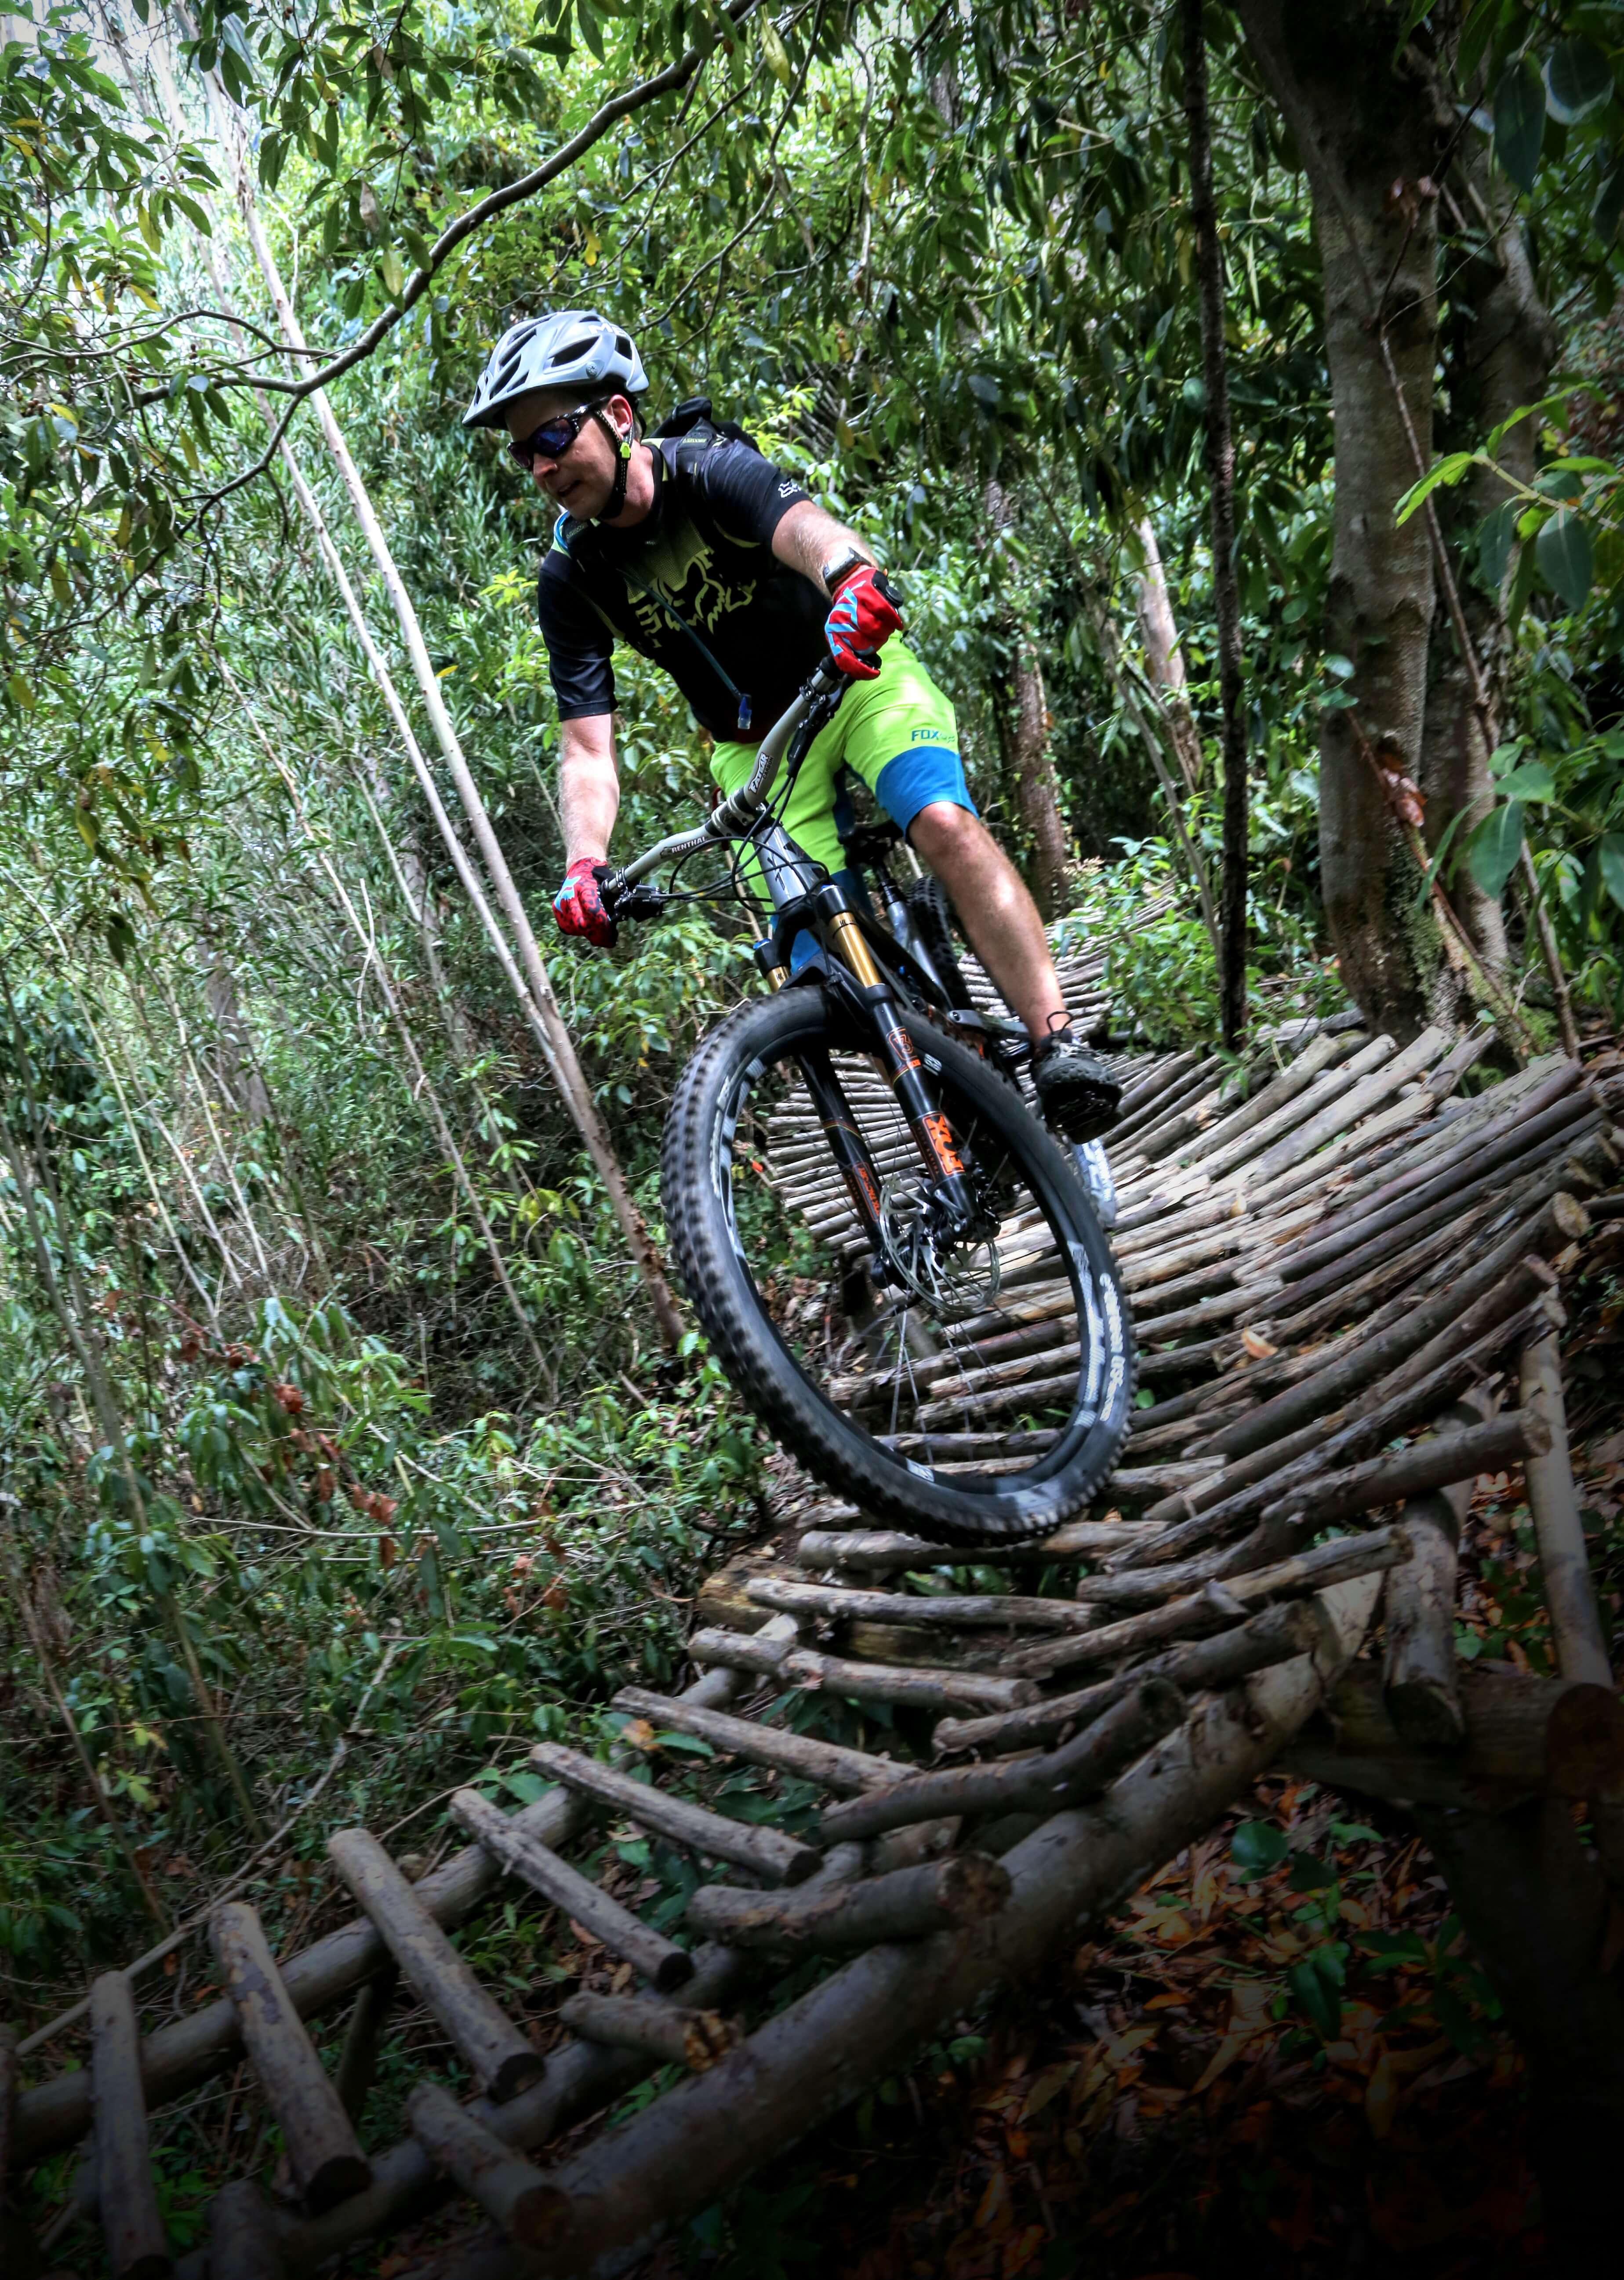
<point>857,960</point>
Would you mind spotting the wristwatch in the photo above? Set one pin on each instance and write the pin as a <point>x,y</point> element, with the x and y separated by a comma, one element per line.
<point>840,566</point>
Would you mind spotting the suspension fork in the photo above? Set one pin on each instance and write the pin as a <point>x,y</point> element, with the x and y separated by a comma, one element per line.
<point>847,1144</point>
<point>933,1136</point>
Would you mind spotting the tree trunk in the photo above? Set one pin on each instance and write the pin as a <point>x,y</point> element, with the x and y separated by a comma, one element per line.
<point>1366,125</point>
<point>1163,654</point>
<point>232,1058</point>
<point>1021,712</point>
<point>1501,361</point>
<point>1535,1911</point>
<point>1220,475</point>
<point>560,1046</point>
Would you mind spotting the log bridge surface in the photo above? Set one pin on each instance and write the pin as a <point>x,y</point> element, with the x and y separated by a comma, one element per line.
<point>1345,1277</point>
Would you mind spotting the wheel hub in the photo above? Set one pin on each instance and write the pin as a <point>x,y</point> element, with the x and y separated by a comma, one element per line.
<point>952,1272</point>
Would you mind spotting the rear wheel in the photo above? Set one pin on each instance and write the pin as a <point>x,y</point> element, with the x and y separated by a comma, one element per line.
<point>930,912</point>
<point>976,1390</point>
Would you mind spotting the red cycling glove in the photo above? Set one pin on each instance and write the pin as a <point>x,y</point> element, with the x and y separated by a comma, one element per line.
<point>863,617</point>
<point>578,905</point>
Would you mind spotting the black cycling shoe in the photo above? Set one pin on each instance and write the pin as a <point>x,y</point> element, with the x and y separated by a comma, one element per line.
<point>1075,1089</point>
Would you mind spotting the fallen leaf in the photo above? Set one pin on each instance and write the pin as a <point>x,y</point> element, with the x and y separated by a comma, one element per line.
<point>1381,2096</point>
<point>994,2202</point>
<point>1025,2249</point>
<point>1257,1346</point>
<point>1048,2087</point>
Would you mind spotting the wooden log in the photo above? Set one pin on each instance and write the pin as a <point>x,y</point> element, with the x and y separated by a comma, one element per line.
<point>496,2053</point>
<point>1200,1108</point>
<point>829,1764</point>
<point>693,2039</point>
<point>323,2152</point>
<point>1283,1317</point>
<point>1511,1276</point>
<point>1538,1212</point>
<point>1131,1128</point>
<point>1310,1274</point>
<point>1214,1609</point>
<point>1080,1767</point>
<point>880,1552</point>
<point>1421,1670</point>
<point>126,2196</point>
<point>1329,1498</point>
<point>906,1904</point>
<point>1536,1913</point>
<point>513,2191</point>
<point>1006,1386</point>
<point>1157,1081</point>
<point>1461,1124</point>
<point>581,2079</point>
<point>1420,1665</point>
<point>358,2059</point>
<point>1154,1299</point>
<point>940,1690</point>
<point>1565,1567</point>
<point>1307,1462</point>
<point>1330,1164</point>
<point>242,2241</point>
<point>1523,1735</point>
<point>656,1959</point>
<point>952,1611</point>
<point>1145,1269</point>
<point>1012,1333</point>
<point>864,2020</point>
<point>57,2113</point>
<point>1343,1113</point>
<point>766,1851</point>
<point>1293,1107</point>
<point>1219,1146</point>
<point>1549,1111</point>
<point>1274,1636</point>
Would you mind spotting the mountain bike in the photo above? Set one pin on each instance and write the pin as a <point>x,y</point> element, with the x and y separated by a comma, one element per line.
<point>961,1361</point>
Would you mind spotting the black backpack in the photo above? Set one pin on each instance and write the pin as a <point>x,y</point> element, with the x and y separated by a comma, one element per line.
<point>694,422</point>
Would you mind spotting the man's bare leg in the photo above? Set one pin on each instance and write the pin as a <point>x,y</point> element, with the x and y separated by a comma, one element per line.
<point>994,909</point>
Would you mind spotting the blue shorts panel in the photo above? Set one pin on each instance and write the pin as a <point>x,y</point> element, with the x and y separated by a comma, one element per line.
<point>922,774</point>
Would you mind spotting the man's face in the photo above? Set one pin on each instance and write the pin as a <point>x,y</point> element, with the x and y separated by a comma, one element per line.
<point>581,478</point>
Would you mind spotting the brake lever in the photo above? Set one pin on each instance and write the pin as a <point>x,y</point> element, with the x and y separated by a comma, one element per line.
<point>624,901</point>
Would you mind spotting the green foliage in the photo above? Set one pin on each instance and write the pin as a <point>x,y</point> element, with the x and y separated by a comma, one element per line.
<point>921,254</point>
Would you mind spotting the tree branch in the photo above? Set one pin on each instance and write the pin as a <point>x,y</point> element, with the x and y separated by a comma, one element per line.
<point>619,106</point>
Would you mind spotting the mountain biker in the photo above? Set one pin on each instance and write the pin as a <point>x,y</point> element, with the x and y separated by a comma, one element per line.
<point>701,554</point>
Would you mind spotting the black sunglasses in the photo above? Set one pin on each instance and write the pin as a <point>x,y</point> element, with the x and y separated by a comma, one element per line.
<point>552,439</point>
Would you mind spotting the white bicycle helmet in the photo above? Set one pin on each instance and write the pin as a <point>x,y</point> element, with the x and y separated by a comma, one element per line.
<point>574,348</point>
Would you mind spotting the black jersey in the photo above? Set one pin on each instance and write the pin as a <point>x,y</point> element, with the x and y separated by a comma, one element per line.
<point>696,587</point>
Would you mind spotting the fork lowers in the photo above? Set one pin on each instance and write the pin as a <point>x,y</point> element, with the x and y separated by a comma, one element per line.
<point>953,1190</point>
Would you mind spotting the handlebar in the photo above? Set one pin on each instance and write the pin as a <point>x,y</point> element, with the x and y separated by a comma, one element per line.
<point>730,816</point>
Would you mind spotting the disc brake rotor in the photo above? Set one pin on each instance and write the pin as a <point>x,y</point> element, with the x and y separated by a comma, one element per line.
<point>950,1278</point>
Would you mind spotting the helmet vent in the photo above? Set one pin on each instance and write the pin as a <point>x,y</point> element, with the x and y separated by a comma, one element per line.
<point>573,351</point>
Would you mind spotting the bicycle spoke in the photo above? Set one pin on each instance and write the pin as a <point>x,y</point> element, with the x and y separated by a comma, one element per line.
<point>973,1358</point>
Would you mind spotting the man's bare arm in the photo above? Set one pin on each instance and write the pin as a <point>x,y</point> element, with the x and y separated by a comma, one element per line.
<point>588,786</point>
<point>807,537</point>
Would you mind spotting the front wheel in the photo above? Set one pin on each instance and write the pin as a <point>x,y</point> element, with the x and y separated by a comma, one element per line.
<point>976,1393</point>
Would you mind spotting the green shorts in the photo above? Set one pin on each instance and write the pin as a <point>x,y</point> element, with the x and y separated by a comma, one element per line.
<point>896,732</point>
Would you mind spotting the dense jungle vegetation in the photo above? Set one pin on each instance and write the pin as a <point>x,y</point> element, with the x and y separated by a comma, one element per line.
<point>339,1450</point>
